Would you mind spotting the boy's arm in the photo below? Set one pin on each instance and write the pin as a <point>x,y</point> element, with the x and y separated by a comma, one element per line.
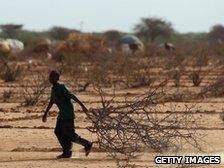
<point>79,102</point>
<point>50,104</point>
<point>68,94</point>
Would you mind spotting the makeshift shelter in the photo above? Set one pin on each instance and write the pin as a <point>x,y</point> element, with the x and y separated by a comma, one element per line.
<point>130,43</point>
<point>11,46</point>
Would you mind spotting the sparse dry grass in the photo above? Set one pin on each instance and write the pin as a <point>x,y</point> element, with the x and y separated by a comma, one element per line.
<point>134,73</point>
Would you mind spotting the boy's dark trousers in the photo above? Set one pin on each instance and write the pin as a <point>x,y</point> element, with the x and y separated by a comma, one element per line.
<point>65,133</point>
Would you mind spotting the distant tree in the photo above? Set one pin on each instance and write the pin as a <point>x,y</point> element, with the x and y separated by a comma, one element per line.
<point>61,33</point>
<point>30,37</point>
<point>11,30</point>
<point>112,37</point>
<point>151,28</point>
<point>217,33</point>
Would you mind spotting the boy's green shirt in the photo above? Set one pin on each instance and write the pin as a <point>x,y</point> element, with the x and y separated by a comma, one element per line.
<point>61,96</point>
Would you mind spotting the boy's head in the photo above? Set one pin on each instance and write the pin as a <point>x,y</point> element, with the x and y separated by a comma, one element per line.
<point>54,76</point>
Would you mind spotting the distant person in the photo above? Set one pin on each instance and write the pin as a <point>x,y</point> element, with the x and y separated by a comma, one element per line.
<point>64,129</point>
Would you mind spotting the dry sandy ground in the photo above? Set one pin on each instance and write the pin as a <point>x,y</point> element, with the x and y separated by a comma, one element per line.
<point>26,142</point>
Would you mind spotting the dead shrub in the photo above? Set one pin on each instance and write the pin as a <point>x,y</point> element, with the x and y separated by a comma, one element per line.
<point>176,67</point>
<point>202,55</point>
<point>196,78</point>
<point>176,78</point>
<point>10,72</point>
<point>33,90</point>
<point>215,89</point>
<point>99,73</point>
<point>175,61</point>
<point>133,71</point>
<point>139,81</point>
<point>7,94</point>
<point>175,75</point>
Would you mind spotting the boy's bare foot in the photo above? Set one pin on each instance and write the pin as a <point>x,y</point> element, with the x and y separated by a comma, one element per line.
<point>88,148</point>
<point>63,155</point>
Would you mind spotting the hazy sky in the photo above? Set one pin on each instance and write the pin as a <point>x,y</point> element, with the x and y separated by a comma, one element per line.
<point>101,15</point>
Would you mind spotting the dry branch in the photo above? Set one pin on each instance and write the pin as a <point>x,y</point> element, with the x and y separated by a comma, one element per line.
<point>123,130</point>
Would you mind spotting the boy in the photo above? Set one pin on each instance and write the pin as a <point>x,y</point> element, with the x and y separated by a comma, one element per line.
<point>64,129</point>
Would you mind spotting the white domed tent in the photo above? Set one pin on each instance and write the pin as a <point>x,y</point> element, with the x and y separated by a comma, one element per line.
<point>11,46</point>
<point>16,46</point>
<point>131,43</point>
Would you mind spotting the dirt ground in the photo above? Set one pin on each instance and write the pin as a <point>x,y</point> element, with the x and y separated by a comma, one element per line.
<point>27,142</point>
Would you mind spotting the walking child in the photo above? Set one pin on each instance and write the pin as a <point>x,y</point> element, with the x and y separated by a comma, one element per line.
<point>65,129</point>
